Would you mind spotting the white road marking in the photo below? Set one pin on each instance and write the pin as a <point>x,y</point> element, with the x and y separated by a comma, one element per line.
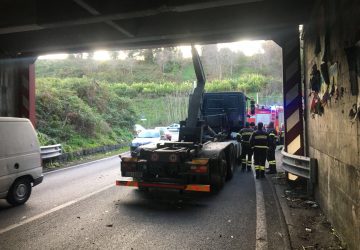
<point>261,231</point>
<point>54,209</point>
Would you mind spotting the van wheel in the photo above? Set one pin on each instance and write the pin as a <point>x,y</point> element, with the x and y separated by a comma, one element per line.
<point>19,192</point>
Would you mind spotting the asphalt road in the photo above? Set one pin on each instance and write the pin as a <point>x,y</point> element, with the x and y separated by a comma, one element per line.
<point>80,208</point>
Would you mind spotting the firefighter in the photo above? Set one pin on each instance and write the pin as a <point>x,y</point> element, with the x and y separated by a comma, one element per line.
<point>259,142</point>
<point>252,125</point>
<point>271,150</point>
<point>246,150</point>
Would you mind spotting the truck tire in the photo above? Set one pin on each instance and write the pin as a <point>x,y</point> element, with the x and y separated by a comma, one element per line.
<point>231,163</point>
<point>19,192</point>
<point>218,175</point>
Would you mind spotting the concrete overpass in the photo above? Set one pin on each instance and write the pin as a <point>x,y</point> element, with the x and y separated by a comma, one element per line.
<point>39,26</point>
<point>331,39</point>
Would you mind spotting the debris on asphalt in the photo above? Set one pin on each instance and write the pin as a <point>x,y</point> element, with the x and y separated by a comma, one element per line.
<point>307,224</point>
<point>78,217</point>
<point>109,225</point>
<point>312,204</point>
<point>232,237</point>
<point>229,221</point>
<point>308,247</point>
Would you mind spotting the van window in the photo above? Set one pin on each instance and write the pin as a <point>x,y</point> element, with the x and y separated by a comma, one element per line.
<point>17,138</point>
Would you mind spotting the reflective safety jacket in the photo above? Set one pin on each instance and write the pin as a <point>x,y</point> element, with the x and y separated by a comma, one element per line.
<point>246,134</point>
<point>272,137</point>
<point>259,139</point>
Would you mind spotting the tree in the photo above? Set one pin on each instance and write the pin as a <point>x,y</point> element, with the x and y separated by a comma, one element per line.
<point>226,62</point>
<point>114,55</point>
<point>90,55</point>
<point>210,61</point>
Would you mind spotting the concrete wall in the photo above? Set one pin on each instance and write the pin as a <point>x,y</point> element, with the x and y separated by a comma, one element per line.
<point>9,89</point>
<point>17,88</point>
<point>333,139</point>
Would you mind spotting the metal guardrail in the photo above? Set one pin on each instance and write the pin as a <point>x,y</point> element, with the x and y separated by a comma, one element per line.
<point>50,151</point>
<point>302,166</point>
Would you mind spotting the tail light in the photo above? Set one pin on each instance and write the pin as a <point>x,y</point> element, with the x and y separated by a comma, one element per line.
<point>199,166</point>
<point>198,169</point>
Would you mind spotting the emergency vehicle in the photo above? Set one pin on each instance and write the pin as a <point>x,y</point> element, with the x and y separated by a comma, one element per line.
<point>267,114</point>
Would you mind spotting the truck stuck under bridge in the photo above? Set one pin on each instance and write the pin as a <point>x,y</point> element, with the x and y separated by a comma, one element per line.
<point>207,152</point>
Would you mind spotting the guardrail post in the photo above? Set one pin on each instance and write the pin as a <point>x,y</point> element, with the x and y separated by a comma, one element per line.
<point>313,177</point>
<point>313,170</point>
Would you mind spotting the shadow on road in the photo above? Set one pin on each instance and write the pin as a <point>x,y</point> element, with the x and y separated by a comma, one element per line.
<point>166,200</point>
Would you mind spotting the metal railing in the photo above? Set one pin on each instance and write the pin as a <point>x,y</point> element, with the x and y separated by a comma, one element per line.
<point>50,151</point>
<point>302,166</point>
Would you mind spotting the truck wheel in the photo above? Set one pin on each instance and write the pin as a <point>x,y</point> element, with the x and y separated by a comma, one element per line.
<point>219,176</point>
<point>231,163</point>
<point>19,192</point>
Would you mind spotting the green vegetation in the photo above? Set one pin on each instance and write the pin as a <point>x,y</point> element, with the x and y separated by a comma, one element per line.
<point>81,113</point>
<point>83,103</point>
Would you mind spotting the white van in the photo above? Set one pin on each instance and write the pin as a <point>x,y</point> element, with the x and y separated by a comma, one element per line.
<point>20,160</point>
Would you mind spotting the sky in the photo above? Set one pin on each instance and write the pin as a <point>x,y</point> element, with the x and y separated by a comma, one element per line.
<point>249,48</point>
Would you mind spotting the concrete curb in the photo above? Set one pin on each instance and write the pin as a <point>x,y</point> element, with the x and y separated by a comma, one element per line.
<point>283,212</point>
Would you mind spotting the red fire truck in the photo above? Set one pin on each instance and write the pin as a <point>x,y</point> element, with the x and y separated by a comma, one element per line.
<point>267,114</point>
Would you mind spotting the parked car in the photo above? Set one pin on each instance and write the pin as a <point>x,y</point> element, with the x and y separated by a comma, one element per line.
<point>164,132</point>
<point>174,127</point>
<point>145,137</point>
<point>138,128</point>
<point>20,160</point>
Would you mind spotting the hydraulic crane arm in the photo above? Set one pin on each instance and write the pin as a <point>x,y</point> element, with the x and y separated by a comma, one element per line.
<point>195,101</point>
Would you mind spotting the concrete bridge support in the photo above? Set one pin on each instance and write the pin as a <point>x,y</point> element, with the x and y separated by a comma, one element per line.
<point>332,45</point>
<point>292,92</point>
<point>17,84</point>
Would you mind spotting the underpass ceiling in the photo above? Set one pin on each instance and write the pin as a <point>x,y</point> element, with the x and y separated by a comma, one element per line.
<point>33,27</point>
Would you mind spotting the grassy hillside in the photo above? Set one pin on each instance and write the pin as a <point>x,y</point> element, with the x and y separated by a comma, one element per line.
<point>161,111</point>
